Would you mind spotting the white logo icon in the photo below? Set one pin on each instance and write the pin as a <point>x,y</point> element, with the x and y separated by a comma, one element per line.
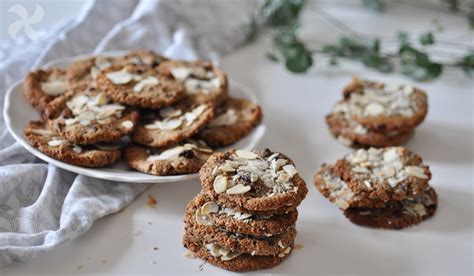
<point>25,21</point>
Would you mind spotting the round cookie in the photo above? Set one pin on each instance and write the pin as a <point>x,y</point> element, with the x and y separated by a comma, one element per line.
<point>89,118</point>
<point>234,120</point>
<point>385,108</point>
<point>202,80</point>
<point>139,86</point>
<point>235,242</point>
<point>232,261</point>
<point>43,139</point>
<point>353,134</point>
<point>42,86</point>
<point>171,125</point>
<point>253,181</point>
<point>187,157</point>
<point>386,174</point>
<point>208,212</point>
<point>397,215</point>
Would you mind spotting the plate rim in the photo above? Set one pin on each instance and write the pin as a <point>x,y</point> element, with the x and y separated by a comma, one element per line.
<point>146,178</point>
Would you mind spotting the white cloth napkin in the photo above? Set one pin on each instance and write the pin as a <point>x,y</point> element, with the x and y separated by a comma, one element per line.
<point>42,206</point>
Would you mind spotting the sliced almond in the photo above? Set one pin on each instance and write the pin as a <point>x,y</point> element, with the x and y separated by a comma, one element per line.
<point>290,170</point>
<point>42,132</point>
<point>209,207</point>
<point>416,172</point>
<point>167,154</point>
<point>127,124</point>
<point>230,256</point>
<point>148,81</point>
<point>101,99</point>
<point>169,112</point>
<point>166,125</point>
<point>246,154</point>
<point>77,149</point>
<point>220,184</point>
<point>55,143</point>
<point>374,109</point>
<point>201,219</point>
<point>54,87</point>
<point>120,77</point>
<point>180,73</point>
<point>342,204</point>
<point>238,189</point>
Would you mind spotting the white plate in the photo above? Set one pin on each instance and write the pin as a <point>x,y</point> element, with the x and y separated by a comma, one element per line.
<point>17,113</point>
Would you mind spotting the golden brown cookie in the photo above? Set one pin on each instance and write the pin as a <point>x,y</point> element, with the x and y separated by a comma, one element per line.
<point>208,212</point>
<point>234,120</point>
<point>233,261</point>
<point>170,125</point>
<point>43,139</point>
<point>398,214</point>
<point>387,174</point>
<point>182,158</point>
<point>139,86</point>
<point>42,86</point>
<point>89,117</point>
<point>253,181</point>
<point>353,134</point>
<point>202,80</point>
<point>384,108</point>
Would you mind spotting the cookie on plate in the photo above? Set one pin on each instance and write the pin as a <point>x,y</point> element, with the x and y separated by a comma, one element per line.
<point>170,125</point>
<point>353,134</point>
<point>383,107</point>
<point>206,211</point>
<point>183,158</point>
<point>234,120</point>
<point>231,260</point>
<point>398,214</point>
<point>89,117</point>
<point>43,139</point>
<point>384,188</point>
<point>43,85</point>
<point>253,181</point>
<point>139,86</point>
<point>202,80</point>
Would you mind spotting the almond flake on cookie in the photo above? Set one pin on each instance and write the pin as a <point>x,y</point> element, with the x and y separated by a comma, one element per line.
<point>174,118</point>
<point>54,87</point>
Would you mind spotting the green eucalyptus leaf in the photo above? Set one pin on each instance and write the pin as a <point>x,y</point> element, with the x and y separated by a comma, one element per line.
<point>281,12</point>
<point>376,5</point>
<point>403,38</point>
<point>427,39</point>
<point>467,63</point>
<point>417,64</point>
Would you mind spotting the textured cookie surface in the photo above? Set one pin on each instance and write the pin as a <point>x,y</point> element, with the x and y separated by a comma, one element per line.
<point>186,157</point>
<point>208,212</point>
<point>392,173</point>
<point>272,245</point>
<point>253,181</point>
<point>139,86</point>
<point>43,139</point>
<point>233,261</point>
<point>353,134</point>
<point>398,214</point>
<point>234,120</point>
<point>171,125</point>
<point>89,118</point>
<point>384,108</point>
<point>42,86</point>
<point>202,80</point>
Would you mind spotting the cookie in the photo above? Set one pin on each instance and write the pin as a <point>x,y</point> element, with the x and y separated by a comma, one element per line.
<point>353,134</point>
<point>234,120</point>
<point>42,86</point>
<point>139,86</point>
<point>187,157</point>
<point>382,107</point>
<point>208,212</point>
<point>235,242</point>
<point>202,80</point>
<point>391,173</point>
<point>253,181</point>
<point>171,125</point>
<point>233,261</point>
<point>89,118</point>
<point>397,215</point>
<point>43,139</point>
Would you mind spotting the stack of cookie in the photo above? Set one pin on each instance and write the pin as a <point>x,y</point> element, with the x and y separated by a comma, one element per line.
<point>244,218</point>
<point>373,114</point>
<point>172,111</point>
<point>383,188</point>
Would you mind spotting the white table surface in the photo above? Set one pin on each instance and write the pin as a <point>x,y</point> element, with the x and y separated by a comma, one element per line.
<point>294,108</point>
